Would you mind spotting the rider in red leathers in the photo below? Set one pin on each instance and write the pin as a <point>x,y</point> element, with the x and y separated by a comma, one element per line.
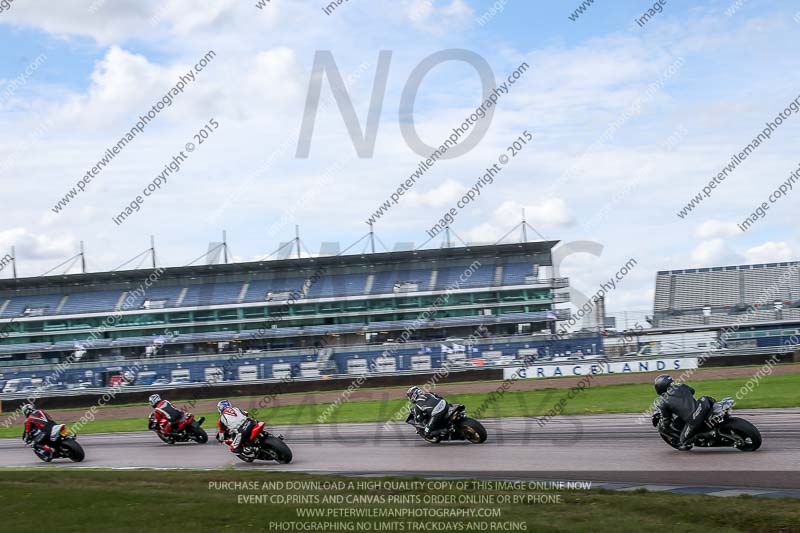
<point>164,413</point>
<point>38,425</point>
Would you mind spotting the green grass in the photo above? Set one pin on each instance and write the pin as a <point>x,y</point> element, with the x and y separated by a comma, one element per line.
<point>132,501</point>
<point>773,391</point>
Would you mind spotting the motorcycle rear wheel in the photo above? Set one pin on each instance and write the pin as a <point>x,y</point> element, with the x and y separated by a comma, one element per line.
<point>73,450</point>
<point>473,430</point>
<point>747,432</point>
<point>278,449</point>
<point>200,436</point>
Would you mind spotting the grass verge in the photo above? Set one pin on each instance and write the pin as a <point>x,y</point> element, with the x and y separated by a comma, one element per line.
<point>773,391</point>
<point>132,501</point>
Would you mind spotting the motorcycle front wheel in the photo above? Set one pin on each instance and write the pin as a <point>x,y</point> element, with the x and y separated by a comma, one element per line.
<point>669,440</point>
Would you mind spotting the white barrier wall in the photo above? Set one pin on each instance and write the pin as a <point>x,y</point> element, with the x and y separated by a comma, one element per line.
<point>595,367</point>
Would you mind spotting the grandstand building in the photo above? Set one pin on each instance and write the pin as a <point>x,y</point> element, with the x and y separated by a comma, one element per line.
<point>401,310</point>
<point>743,307</point>
<point>724,295</point>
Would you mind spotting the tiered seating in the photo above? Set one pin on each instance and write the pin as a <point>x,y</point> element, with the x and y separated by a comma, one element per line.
<point>341,285</point>
<point>514,273</point>
<point>18,304</point>
<point>90,302</point>
<point>258,289</point>
<point>216,293</point>
<point>385,280</point>
<point>760,280</point>
<point>662,297</point>
<point>723,289</point>
<point>696,289</point>
<point>169,294</point>
<point>191,295</point>
<point>483,276</point>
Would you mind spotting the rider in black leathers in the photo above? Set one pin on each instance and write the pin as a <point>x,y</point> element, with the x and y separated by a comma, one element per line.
<point>429,410</point>
<point>679,399</point>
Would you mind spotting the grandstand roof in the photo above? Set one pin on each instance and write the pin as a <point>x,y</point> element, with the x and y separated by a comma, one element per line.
<point>726,268</point>
<point>297,264</point>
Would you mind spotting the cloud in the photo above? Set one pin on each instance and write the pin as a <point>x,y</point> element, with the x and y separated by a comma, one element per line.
<point>427,16</point>
<point>35,246</point>
<point>546,213</point>
<point>441,196</point>
<point>713,252</point>
<point>770,252</point>
<point>549,213</point>
<point>711,229</point>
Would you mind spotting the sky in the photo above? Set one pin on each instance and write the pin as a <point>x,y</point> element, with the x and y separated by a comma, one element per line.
<point>627,122</point>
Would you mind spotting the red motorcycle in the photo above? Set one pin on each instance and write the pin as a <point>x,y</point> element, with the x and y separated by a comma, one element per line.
<point>264,446</point>
<point>184,430</point>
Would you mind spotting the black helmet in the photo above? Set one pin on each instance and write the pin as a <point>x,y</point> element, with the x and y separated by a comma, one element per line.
<point>663,383</point>
<point>413,393</point>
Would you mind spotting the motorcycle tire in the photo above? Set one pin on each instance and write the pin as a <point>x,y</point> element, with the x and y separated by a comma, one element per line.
<point>432,440</point>
<point>278,449</point>
<point>200,436</point>
<point>747,432</point>
<point>473,430</point>
<point>669,440</point>
<point>73,450</point>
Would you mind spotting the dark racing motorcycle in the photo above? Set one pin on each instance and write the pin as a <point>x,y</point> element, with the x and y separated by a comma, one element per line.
<point>184,430</point>
<point>264,446</point>
<point>459,426</point>
<point>64,444</point>
<point>721,430</point>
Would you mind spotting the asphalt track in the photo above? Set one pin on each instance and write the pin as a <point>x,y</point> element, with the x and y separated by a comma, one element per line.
<point>600,448</point>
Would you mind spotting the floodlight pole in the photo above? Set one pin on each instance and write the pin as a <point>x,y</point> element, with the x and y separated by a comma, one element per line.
<point>371,237</point>
<point>153,250</point>
<point>83,259</point>
<point>14,261</point>
<point>524,227</point>
<point>225,245</point>
<point>297,239</point>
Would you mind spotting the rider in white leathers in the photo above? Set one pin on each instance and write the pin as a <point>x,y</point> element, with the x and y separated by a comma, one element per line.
<point>234,424</point>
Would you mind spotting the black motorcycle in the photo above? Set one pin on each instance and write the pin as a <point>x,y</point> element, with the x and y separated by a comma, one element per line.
<point>459,426</point>
<point>184,430</point>
<point>64,444</point>
<point>721,430</point>
<point>264,446</point>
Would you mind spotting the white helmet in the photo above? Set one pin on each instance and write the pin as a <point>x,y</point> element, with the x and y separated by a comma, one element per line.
<point>155,399</point>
